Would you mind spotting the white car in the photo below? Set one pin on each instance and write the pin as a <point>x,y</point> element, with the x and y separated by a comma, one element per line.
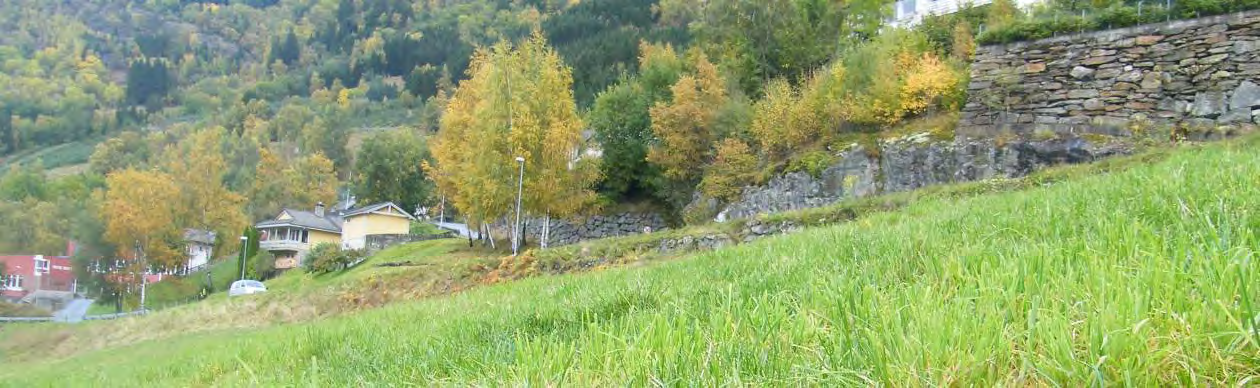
<point>246,287</point>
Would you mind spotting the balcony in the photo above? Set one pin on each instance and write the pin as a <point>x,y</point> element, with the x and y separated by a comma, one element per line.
<point>283,245</point>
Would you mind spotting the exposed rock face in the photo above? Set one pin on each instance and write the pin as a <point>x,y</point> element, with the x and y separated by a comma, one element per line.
<point>1199,72</point>
<point>908,164</point>
<point>853,175</point>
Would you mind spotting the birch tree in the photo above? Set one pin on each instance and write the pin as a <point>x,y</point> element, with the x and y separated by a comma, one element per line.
<point>517,102</point>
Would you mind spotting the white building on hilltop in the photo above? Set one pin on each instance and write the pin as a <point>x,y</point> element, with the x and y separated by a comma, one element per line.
<point>907,13</point>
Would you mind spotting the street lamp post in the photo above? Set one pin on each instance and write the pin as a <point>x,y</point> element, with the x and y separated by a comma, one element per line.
<point>144,278</point>
<point>520,190</point>
<point>244,241</point>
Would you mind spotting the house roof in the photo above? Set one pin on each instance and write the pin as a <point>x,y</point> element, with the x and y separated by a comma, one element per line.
<point>199,236</point>
<point>329,222</point>
<point>375,208</point>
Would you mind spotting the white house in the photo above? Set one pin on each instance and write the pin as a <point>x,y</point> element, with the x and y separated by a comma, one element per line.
<point>199,248</point>
<point>907,13</point>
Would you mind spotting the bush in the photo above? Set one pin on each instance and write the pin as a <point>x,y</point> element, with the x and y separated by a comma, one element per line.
<point>1056,21</point>
<point>262,266</point>
<point>731,170</point>
<point>22,310</point>
<point>813,163</point>
<point>328,257</point>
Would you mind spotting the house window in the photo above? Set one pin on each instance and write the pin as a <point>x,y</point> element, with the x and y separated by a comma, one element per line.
<point>305,234</point>
<point>13,282</point>
<point>41,266</point>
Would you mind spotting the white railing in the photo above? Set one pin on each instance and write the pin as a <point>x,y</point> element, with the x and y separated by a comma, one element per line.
<point>282,245</point>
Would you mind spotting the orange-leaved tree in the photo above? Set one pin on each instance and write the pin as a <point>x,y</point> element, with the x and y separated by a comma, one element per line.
<point>139,212</point>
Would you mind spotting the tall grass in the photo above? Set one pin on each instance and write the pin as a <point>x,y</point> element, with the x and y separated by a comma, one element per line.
<point>1141,277</point>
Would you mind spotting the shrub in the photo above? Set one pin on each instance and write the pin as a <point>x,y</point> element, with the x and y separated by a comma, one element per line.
<point>1056,20</point>
<point>893,77</point>
<point>328,257</point>
<point>732,168</point>
<point>813,163</point>
<point>262,266</point>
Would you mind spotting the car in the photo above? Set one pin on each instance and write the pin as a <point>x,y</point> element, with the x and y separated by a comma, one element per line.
<point>246,287</point>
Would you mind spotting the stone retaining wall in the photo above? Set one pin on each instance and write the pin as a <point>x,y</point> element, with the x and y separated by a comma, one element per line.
<point>378,242</point>
<point>1201,73</point>
<point>565,232</point>
<point>914,162</point>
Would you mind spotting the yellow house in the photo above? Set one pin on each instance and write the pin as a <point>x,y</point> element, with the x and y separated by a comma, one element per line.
<point>382,218</point>
<point>292,233</point>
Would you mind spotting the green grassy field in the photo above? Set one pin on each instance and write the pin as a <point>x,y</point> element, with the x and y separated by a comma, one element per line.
<point>1138,277</point>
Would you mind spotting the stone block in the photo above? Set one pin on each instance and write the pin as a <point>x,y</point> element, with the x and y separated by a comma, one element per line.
<point>1147,40</point>
<point>1218,50</point>
<point>1136,105</point>
<point>1093,104</point>
<point>1082,93</point>
<point>1047,120</point>
<point>1235,116</point>
<point>1246,95</point>
<point>1095,61</point>
<point>1151,80</point>
<point>1052,86</point>
<point>1034,68</point>
<point>978,85</point>
<point>1124,86</point>
<point>1245,46</point>
<point>1177,86</point>
<point>1107,73</point>
<point>1081,72</point>
<point>1208,104</point>
<point>1213,59</point>
<point>1102,53</point>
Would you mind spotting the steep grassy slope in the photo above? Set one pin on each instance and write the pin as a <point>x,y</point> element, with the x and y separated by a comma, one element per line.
<point>435,268</point>
<point>1141,277</point>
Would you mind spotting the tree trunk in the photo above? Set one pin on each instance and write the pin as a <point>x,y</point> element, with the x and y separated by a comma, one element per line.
<point>546,233</point>
<point>490,237</point>
<point>522,232</point>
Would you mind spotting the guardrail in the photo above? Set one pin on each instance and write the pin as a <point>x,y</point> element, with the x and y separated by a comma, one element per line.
<point>25,319</point>
<point>114,316</point>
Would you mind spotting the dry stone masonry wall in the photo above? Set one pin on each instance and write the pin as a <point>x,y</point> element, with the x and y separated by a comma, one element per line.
<point>913,162</point>
<point>564,232</point>
<point>1197,74</point>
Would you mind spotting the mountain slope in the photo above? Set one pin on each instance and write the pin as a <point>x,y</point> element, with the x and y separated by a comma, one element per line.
<point>1141,277</point>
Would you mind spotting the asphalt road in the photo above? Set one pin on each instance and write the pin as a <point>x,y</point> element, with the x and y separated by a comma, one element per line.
<point>73,312</point>
<point>457,228</point>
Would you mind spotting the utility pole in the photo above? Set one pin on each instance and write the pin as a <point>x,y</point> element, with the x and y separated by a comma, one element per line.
<point>516,226</point>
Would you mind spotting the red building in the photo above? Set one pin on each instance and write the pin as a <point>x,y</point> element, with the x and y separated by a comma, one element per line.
<point>42,280</point>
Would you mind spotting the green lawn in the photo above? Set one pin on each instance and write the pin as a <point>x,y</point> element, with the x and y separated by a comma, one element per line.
<point>1140,277</point>
<point>98,308</point>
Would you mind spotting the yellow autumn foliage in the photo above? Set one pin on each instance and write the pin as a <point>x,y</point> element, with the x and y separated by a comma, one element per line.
<point>684,128</point>
<point>733,167</point>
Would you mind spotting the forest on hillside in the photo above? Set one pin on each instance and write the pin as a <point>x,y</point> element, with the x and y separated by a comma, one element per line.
<point>123,122</point>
